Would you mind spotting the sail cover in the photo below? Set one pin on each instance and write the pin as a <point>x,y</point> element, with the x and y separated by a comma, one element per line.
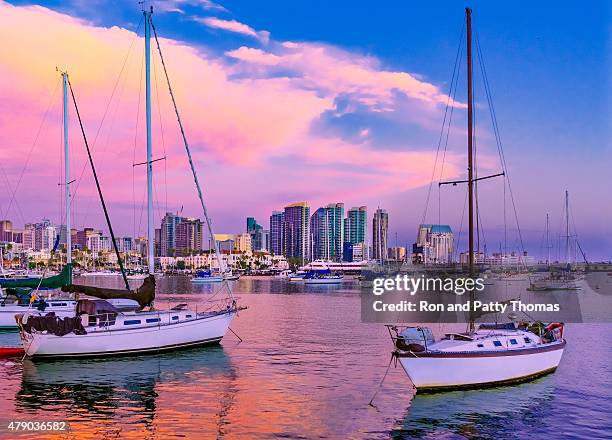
<point>54,282</point>
<point>144,295</point>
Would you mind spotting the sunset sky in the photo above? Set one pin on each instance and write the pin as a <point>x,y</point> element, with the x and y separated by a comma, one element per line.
<point>317,101</point>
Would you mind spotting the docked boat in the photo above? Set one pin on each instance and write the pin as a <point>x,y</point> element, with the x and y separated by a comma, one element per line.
<point>107,331</point>
<point>487,355</point>
<point>230,276</point>
<point>206,276</point>
<point>493,355</point>
<point>98,328</point>
<point>322,277</point>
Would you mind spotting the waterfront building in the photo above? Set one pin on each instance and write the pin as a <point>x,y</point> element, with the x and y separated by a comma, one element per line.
<point>512,259</point>
<point>168,234</point>
<point>28,236</point>
<point>296,231</point>
<point>397,253</point>
<point>355,231</point>
<point>106,244</point>
<point>380,234</point>
<point>242,243</point>
<point>260,237</point>
<point>6,231</point>
<point>188,236</point>
<point>277,220</point>
<point>44,236</point>
<point>434,244</point>
<point>327,232</point>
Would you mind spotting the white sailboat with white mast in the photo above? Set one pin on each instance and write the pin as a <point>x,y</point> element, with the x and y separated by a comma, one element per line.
<point>559,279</point>
<point>101,329</point>
<point>491,354</point>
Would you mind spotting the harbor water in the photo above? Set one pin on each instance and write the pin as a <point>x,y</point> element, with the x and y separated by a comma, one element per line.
<point>306,369</point>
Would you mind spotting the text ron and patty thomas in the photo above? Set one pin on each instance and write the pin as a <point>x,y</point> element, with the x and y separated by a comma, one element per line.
<point>459,286</point>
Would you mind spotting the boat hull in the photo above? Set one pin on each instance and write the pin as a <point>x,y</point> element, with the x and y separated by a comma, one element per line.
<point>323,281</point>
<point>8,312</point>
<point>431,372</point>
<point>207,280</point>
<point>156,338</point>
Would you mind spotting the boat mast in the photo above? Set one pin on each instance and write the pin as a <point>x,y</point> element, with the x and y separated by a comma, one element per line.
<point>547,242</point>
<point>567,236</point>
<point>470,182</point>
<point>150,226</point>
<point>67,170</point>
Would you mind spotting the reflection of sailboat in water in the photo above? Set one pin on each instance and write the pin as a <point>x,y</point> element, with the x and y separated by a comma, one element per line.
<point>129,389</point>
<point>474,413</point>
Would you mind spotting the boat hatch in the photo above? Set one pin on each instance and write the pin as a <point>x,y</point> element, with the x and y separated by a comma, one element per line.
<point>132,322</point>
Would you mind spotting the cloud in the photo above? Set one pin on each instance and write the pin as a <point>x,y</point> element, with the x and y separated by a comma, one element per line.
<point>178,5</point>
<point>233,26</point>
<point>251,133</point>
<point>331,70</point>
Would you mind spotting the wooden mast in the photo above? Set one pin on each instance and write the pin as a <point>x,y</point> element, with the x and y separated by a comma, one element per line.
<point>470,182</point>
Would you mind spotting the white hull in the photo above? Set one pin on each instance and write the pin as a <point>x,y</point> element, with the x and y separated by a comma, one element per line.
<point>166,334</point>
<point>323,281</point>
<point>466,370</point>
<point>206,280</point>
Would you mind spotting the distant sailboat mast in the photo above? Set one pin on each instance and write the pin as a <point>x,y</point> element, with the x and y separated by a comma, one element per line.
<point>567,235</point>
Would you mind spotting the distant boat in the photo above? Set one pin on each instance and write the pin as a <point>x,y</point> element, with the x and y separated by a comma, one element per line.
<point>206,276</point>
<point>322,277</point>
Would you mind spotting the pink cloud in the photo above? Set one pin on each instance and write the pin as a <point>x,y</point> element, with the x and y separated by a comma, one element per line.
<point>251,135</point>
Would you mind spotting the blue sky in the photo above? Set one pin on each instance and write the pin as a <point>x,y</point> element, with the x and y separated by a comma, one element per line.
<point>548,64</point>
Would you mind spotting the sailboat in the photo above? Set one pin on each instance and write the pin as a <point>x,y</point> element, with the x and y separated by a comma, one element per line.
<point>490,355</point>
<point>560,278</point>
<point>99,329</point>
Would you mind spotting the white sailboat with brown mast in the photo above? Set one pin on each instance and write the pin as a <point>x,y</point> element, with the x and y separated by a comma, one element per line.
<point>491,354</point>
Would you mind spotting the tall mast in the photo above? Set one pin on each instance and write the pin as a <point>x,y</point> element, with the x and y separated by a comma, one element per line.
<point>67,170</point>
<point>468,21</point>
<point>547,242</point>
<point>567,236</point>
<point>150,226</point>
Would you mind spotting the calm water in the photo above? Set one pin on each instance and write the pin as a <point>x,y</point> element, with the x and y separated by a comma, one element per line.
<point>306,369</point>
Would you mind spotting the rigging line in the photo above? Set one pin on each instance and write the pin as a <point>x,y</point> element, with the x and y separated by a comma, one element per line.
<point>27,162</point>
<point>93,169</point>
<point>498,136</point>
<point>460,227</point>
<point>448,129</point>
<point>433,171</point>
<point>161,128</point>
<point>195,176</point>
<point>78,182</point>
<point>134,153</point>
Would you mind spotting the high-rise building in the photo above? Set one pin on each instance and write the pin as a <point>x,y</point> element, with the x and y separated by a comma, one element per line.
<point>380,234</point>
<point>28,236</point>
<point>44,236</point>
<point>168,234</point>
<point>434,244</point>
<point>188,236</point>
<point>6,231</point>
<point>296,231</point>
<point>277,220</point>
<point>260,240</point>
<point>355,229</point>
<point>326,228</point>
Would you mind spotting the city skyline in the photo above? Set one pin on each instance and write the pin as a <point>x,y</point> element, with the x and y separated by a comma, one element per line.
<point>367,138</point>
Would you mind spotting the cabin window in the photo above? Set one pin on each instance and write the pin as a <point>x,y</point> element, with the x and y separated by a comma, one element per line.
<point>513,341</point>
<point>527,340</point>
<point>59,304</point>
<point>132,322</point>
<point>480,345</point>
<point>149,320</point>
<point>174,318</point>
<point>497,343</point>
<point>188,316</point>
